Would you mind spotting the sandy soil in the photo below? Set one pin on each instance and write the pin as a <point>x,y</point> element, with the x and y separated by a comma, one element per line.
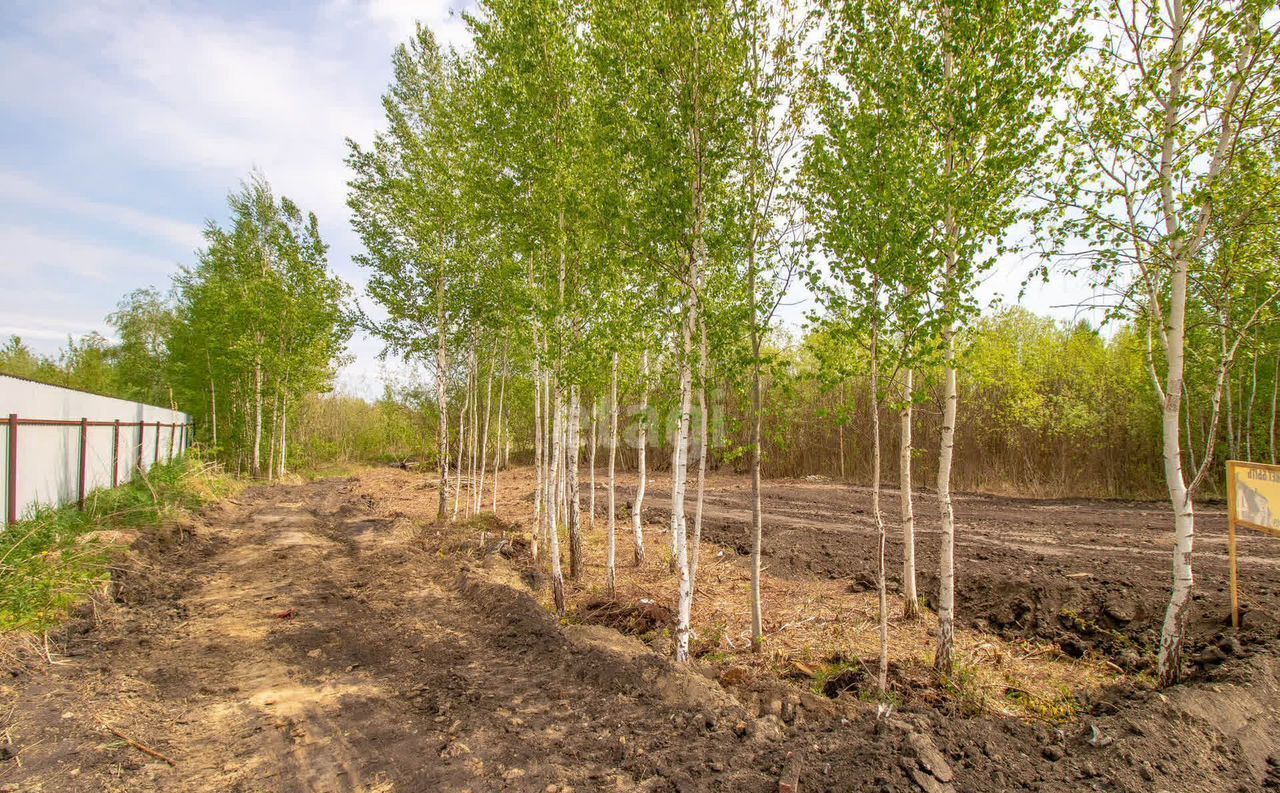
<point>322,637</point>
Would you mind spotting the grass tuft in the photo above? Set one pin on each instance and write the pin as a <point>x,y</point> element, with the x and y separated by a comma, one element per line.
<point>52,559</point>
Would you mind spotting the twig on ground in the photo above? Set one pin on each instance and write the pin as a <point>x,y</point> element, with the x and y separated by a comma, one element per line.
<point>147,750</point>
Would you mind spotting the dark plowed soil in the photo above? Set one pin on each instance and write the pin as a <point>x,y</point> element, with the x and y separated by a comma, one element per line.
<point>1089,575</point>
<point>310,638</point>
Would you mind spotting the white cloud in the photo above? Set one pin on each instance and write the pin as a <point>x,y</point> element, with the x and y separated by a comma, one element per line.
<point>398,18</point>
<point>26,252</point>
<point>21,190</point>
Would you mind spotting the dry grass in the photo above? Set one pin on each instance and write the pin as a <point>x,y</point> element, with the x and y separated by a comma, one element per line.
<point>817,629</point>
<point>817,632</point>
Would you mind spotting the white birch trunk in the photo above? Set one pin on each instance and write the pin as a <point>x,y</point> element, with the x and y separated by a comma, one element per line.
<point>256,469</point>
<point>642,443</point>
<point>1169,659</point>
<point>1275,406</point>
<point>271,441</point>
<point>539,464</point>
<point>944,660</point>
<point>574,497</point>
<point>878,515</point>
<point>695,555</point>
<point>591,464</point>
<point>1253,396</point>
<point>462,447</point>
<point>442,403</point>
<point>213,413</point>
<point>284,433</point>
<point>484,437</point>
<point>612,528</point>
<point>911,604</point>
<point>472,455</point>
<point>679,474</point>
<point>757,512</point>
<point>553,529</point>
<point>497,449</point>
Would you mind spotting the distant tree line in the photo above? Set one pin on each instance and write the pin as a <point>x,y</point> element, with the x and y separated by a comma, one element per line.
<point>256,326</point>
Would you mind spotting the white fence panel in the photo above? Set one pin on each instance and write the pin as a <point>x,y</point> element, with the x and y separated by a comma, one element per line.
<point>43,466</point>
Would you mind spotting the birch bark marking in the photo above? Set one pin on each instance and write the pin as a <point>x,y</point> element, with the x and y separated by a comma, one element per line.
<point>462,446</point>
<point>1253,396</point>
<point>284,430</point>
<point>642,443</point>
<point>702,453</point>
<point>944,661</point>
<point>473,452</point>
<point>553,530</point>
<point>883,677</point>
<point>757,517</point>
<point>679,524</point>
<point>911,602</point>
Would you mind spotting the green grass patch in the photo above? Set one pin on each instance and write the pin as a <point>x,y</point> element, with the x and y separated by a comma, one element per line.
<point>50,561</point>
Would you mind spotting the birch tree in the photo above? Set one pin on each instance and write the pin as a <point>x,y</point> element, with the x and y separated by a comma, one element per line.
<point>1169,101</point>
<point>403,197</point>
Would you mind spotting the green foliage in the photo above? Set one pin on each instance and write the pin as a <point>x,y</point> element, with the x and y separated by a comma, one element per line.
<point>259,323</point>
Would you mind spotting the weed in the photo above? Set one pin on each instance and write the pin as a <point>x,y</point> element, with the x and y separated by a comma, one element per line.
<point>49,561</point>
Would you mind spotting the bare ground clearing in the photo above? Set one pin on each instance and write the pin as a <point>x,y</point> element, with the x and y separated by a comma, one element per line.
<point>319,637</point>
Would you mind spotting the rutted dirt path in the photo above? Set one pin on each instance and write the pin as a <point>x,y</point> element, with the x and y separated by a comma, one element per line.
<point>304,642</point>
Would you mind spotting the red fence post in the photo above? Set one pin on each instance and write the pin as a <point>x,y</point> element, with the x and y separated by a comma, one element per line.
<point>84,447</point>
<point>142,430</point>
<point>11,511</point>
<point>173,431</point>
<point>156,458</point>
<point>115,454</point>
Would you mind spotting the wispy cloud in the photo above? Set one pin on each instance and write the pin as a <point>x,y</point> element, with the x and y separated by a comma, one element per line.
<point>132,120</point>
<point>20,190</point>
<point>48,256</point>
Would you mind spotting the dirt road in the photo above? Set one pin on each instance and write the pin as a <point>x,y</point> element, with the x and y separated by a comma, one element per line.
<point>319,637</point>
<point>301,643</point>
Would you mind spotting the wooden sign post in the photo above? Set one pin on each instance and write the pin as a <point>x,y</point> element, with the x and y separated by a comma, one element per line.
<point>1253,502</point>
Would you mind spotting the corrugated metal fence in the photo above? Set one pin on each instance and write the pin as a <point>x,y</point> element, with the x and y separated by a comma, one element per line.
<point>61,444</point>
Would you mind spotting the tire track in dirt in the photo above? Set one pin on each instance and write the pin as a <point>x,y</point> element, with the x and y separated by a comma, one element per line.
<point>311,643</point>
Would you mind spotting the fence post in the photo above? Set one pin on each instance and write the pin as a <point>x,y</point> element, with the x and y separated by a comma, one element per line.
<point>173,431</point>
<point>155,459</point>
<point>11,511</point>
<point>142,429</point>
<point>115,454</point>
<point>84,443</point>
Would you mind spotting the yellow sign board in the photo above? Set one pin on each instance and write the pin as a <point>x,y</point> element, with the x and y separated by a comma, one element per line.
<point>1253,502</point>
<point>1254,490</point>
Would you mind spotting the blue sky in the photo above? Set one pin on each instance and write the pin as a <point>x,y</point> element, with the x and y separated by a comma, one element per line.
<point>123,125</point>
